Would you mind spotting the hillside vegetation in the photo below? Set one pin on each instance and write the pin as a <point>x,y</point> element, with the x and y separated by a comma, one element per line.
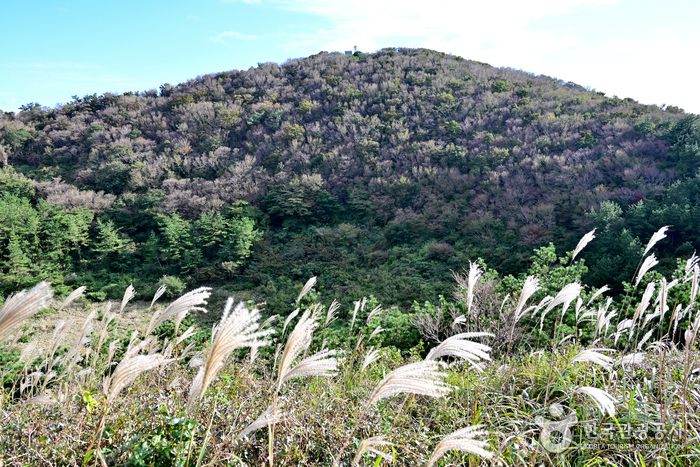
<point>379,173</point>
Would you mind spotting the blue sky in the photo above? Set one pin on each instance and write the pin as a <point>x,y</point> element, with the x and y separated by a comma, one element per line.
<point>51,50</point>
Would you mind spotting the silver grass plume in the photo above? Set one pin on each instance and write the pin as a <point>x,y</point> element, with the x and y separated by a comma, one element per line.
<point>77,293</point>
<point>319,364</point>
<point>299,340</point>
<point>269,320</point>
<point>578,308</point>
<point>237,329</point>
<point>594,356</point>
<point>291,316</point>
<point>605,318</point>
<point>659,235</point>
<point>129,293</point>
<point>371,357</point>
<point>459,320</point>
<point>136,348</point>
<point>604,401</point>
<point>473,275</point>
<point>644,303</point>
<point>307,287</point>
<point>694,286</point>
<point>631,359</point>
<point>622,326</point>
<point>597,294</point>
<point>376,331</point>
<point>644,340</point>
<point>422,378</point>
<point>649,262</point>
<point>161,290</point>
<point>374,313</point>
<point>78,347</point>
<point>371,445</point>
<point>30,353</point>
<point>690,265</point>
<point>354,313</point>
<point>179,308</point>
<point>458,346</point>
<point>332,312</point>
<point>531,285</point>
<point>266,418</point>
<point>585,240</point>
<point>359,306</point>
<point>567,295</point>
<point>22,305</point>
<point>46,399</point>
<point>111,350</point>
<point>185,335</point>
<point>127,371</point>
<point>462,440</point>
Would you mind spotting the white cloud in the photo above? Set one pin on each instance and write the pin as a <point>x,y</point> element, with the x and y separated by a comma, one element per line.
<point>221,38</point>
<point>520,35</point>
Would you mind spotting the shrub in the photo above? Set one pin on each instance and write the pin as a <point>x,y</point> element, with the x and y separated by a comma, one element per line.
<point>175,286</point>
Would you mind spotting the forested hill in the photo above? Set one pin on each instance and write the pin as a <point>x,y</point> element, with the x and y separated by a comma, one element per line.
<point>380,173</point>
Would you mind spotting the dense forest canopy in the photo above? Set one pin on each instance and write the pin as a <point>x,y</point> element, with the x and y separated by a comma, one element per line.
<point>380,173</point>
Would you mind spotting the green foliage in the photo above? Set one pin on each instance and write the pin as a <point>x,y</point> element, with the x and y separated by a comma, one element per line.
<point>16,139</point>
<point>305,106</point>
<point>501,86</point>
<point>645,127</point>
<point>37,241</point>
<point>179,248</point>
<point>179,101</point>
<point>164,442</point>
<point>453,129</point>
<point>294,132</point>
<point>586,140</point>
<point>175,286</point>
<point>684,136</point>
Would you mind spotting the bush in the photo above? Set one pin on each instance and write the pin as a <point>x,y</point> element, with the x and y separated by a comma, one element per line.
<point>175,286</point>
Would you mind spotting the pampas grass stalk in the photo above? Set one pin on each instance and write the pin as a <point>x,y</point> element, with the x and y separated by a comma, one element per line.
<point>179,308</point>
<point>594,356</point>
<point>307,287</point>
<point>658,235</point>
<point>604,401</point>
<point>265,419</point>
<point>77,293</point>
<point>374,313</point>
<point>458,346</point>
<point>585,240</point>
<point>421,378</point>
<point>371,357</point>
<point>320,364</point>
<point>236,329</point>
<point>462,440</point>
<point>22,305</point>
<point>649,262</point>
<point>161,290</point>
<point>530,286</point>
<point>125,373</point>
<point>129,293</point>
<point>371,445</point>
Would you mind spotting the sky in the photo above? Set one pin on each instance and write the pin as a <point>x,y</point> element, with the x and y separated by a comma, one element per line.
<point>52,50</point>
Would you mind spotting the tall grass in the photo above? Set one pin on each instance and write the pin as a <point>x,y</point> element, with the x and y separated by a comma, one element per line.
<point>133,400</point>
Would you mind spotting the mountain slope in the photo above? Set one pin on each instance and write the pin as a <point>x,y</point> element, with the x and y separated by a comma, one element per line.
<point>379,172</point>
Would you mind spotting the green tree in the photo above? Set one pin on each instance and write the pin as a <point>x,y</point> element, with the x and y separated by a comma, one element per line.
<point>179,249</point>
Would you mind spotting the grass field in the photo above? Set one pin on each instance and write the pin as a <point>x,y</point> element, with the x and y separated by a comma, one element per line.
<point>277,393</point>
